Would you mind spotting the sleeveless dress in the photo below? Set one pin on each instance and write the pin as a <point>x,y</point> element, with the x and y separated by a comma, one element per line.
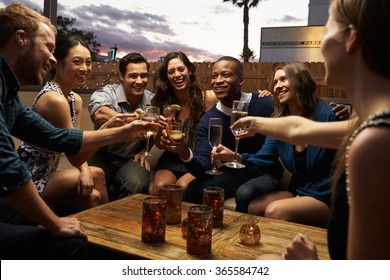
<point>338,222</point>
<point>42,162</point>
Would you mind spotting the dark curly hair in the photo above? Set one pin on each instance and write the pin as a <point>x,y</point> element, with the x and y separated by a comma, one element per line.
<point>165,95</point>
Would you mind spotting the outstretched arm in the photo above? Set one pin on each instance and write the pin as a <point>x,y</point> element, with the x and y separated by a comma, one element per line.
<point>126,133</point>
<point>297,130</point>
<point>115,121</point>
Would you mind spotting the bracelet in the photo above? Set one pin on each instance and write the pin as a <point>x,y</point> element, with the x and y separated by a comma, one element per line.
<point>190,158</point>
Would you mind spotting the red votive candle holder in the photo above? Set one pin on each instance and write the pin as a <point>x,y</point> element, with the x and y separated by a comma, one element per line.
<point>199,230</point>
<point>173,195</point>
<point>250,234</point>
<point>215,197</point>
<point>153,220</point>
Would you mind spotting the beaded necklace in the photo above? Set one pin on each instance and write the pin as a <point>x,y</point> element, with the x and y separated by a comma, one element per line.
<point>380,119</point>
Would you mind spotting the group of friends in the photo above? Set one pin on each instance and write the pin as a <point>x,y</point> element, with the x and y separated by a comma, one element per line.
<point>288,127</point>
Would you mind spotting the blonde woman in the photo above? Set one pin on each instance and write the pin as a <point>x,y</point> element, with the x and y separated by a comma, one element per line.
<point>356,62</point>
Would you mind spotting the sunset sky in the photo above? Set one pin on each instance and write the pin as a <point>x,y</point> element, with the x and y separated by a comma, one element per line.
<point>203,29</point>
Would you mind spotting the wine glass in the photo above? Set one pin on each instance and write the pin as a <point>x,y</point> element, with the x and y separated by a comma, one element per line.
<point>215,138</point>
<point>151,114</point>
<point>239,110</point>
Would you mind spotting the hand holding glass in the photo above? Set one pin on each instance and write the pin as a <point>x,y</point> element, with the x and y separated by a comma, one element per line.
<point>239,110</point>
<point>152,114</point>
<point>175,134</point>
<point>215,138</point>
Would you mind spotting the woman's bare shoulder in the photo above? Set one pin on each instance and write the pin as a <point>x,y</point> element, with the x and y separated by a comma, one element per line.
<point>369,153</point>
<point>210,99</point>
<point>51,100</point>
<point>372,138</point>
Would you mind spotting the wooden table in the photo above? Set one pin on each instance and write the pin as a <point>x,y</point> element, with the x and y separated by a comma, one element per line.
<point>117,226</point>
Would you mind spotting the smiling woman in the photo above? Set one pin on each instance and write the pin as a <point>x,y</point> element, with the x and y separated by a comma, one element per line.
<point>85,186</point>
<point>176,83</point>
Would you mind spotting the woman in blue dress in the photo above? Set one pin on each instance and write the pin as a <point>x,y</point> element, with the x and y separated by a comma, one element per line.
<point>307,197</point>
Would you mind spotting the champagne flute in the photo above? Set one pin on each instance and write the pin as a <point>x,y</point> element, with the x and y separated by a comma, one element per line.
<point>151,114</point>
<point>239,110</point>
<point>215,138</point>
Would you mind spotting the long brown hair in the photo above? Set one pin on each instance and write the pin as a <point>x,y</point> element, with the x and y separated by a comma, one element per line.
<point>304,86</point>
<point>165,95</point>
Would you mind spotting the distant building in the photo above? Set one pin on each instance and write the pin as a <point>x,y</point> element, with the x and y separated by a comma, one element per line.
<point>291,43</point>
<point>105,58</point>
<point>318,12</point>
<point>296,43</point>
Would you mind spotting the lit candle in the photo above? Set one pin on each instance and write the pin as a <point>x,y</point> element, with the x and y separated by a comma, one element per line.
<point>199,230</point>
<point>250,234</point>
<point>215,197</point>
<point>173,194</point>
<point>153,220</point>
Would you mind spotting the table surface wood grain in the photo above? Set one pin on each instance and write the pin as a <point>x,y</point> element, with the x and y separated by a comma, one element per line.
<point>117,226</point>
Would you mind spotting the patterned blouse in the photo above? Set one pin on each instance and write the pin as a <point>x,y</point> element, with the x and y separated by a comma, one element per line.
<point>42,162</point>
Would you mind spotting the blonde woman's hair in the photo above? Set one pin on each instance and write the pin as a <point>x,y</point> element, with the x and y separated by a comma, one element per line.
<point>365,16</point>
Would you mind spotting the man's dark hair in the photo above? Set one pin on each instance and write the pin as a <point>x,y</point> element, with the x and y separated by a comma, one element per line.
<point>131,58</point>
<point>236,61</point>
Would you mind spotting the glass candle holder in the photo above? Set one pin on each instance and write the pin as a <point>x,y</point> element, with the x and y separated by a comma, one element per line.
<point>153,220</point>
<point>250,234</point>
<point>215,197</point>
<point>173,194</point>
<point>199,230</point>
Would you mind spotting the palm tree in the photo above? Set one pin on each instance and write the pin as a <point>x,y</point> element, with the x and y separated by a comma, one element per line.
<point>247,4</point>
<point>252,54</point>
